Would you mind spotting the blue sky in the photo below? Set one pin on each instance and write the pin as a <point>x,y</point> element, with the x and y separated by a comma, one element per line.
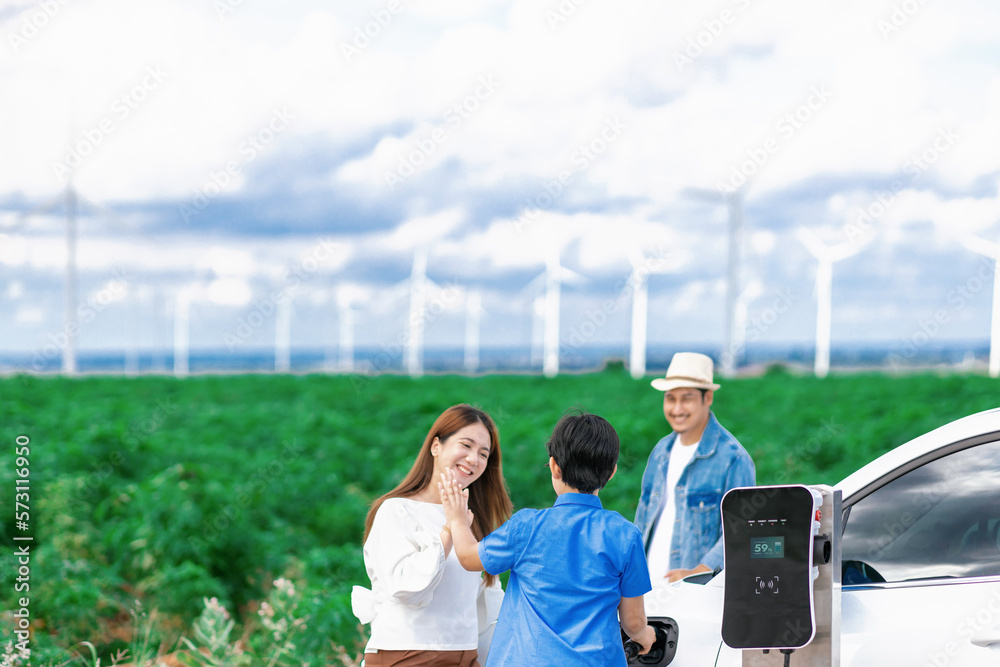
<point>232,141</point>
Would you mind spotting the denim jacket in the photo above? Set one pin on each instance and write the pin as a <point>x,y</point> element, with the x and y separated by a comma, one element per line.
<point>719,464</point>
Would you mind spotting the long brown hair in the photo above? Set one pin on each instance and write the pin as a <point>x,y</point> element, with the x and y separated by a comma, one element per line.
<point>488,497</point>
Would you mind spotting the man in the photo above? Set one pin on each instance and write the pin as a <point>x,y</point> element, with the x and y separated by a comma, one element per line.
<point>687,474</point>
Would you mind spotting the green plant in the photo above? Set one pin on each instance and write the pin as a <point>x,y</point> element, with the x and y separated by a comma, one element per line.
<point>211,644</point>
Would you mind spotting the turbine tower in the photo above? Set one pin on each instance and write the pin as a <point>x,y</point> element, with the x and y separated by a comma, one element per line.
<point>70,200</point>
<point>826,255</point>
<point>283,334</point>
<point>473,318</point>
<point>642,267</point>
<point>182,329</point>
<point>553,277</point>
<point>418,302</point>
<point>345,341</point>
<point>990,249</point>
<point>734,334</point>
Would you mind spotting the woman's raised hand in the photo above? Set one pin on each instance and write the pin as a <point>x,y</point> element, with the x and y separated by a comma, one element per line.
<point>454,499</point>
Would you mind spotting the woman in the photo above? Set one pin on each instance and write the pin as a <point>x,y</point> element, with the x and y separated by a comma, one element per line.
<point>423,604</point>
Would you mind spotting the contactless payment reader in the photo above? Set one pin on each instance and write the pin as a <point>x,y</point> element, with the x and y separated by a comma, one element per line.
<point>772,550</point>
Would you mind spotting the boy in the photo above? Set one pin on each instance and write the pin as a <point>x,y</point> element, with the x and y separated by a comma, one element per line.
<point>572,566</point>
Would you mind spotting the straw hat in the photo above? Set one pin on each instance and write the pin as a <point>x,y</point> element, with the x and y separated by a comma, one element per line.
<point>687,369</point>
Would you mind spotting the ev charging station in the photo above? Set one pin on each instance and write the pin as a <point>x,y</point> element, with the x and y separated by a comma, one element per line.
<point>782,575</point>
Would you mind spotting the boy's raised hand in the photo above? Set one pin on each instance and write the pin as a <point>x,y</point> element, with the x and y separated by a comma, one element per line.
<point>455,500</point>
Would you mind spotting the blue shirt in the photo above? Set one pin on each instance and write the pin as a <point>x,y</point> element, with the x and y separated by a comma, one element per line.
<point>720,463</point>
<point>570,566</point>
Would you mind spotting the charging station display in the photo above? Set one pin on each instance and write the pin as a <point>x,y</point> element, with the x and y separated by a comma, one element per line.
<point>768,543</point>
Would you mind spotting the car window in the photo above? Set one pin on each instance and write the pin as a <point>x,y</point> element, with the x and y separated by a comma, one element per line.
<point>939,520</point>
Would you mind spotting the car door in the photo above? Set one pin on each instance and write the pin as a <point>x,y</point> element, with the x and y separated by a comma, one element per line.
<point>921,563</point>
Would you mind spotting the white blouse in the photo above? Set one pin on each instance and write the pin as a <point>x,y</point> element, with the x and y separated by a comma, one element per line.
<point>419,599</point>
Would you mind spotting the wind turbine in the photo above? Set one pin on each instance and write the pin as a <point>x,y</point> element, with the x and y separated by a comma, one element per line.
<point>638,280</point>
<point>347,296</point>
<point>734,332</point>
<point>826,255</point>
<point>70,198</point>
<point>283,334</point>
<point>553,277</point>
<point>473,319</point>
<point>182,328</point>
<point>418,302</point>
<point>990,249</point>
<point>345,341</point>
<point>536,295</point>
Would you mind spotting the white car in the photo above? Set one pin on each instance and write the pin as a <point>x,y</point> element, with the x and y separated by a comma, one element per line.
<point>920,561</point>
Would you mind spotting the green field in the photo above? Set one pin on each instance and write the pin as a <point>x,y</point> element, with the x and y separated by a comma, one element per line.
<point>149,495</point>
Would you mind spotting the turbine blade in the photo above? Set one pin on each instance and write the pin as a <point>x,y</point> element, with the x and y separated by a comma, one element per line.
<point>569,276</point>
<point>812,243</point>
<point>979,245</point>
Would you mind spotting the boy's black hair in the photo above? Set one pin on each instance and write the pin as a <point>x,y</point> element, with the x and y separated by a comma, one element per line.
<point>586,448</point>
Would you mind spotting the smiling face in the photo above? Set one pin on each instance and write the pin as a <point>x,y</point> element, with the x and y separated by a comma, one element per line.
<point>687,412</point>
<point>465,452</point>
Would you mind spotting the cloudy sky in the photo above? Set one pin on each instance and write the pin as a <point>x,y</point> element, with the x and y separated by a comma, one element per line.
<point>239,149</point>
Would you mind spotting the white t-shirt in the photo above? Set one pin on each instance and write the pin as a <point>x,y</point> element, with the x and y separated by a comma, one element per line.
<point>658,554</point>
<point>419,599</point>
